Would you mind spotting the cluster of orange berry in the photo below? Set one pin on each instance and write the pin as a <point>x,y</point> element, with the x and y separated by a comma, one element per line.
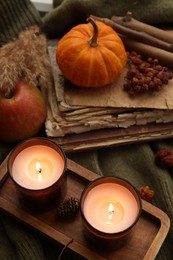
<point>146,193</point>
<point>164,157</point>
<point>145,74</point>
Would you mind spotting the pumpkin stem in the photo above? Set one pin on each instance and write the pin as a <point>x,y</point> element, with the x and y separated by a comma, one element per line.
<point>93,41</point>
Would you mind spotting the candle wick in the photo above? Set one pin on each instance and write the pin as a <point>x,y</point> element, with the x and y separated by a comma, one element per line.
<point>111,213</point>
<point>39,170</point>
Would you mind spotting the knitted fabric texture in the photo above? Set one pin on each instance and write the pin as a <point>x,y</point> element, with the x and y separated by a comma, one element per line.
<point>16,15</point>
<point>68,13</point>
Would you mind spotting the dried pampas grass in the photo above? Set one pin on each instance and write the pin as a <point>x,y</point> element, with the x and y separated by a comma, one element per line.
<point>25,58</point>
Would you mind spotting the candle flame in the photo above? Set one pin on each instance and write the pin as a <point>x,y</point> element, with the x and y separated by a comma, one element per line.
<point>38,169</point>
<point>111,211</point>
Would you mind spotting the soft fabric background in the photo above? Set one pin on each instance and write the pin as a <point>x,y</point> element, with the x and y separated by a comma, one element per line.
<point>135,162</point>
<point>68,13</point>
<point>15,16</point>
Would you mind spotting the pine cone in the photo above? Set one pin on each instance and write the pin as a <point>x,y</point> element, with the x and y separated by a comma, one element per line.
<point>69,207</point>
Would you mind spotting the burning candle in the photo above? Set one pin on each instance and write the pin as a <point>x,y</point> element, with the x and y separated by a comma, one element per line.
<point>37,166</point>
<point>110,207</point>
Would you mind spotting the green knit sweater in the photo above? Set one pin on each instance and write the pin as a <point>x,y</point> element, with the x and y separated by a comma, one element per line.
<point>15,16</point>
<point>68,13</point>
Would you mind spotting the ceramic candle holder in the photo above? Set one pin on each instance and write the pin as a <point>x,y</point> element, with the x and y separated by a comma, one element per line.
<point>110,208</point>
<point>37,166</point>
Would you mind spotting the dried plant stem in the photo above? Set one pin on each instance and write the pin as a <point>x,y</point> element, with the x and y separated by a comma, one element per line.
<point>136,35</point>
<point>25,58</point>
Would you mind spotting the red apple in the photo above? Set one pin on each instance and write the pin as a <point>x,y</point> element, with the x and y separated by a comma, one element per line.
<point>22,115</point>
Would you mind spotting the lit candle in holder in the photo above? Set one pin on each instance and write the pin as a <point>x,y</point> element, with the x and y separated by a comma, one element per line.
<point>38,168</point>
<point>110,207</point>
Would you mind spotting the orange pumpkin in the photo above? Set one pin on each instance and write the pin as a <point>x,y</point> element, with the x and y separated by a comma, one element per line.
<point>91,55</point>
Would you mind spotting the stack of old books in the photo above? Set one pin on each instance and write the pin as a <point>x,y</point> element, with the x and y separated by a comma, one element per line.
<point>75,110</point>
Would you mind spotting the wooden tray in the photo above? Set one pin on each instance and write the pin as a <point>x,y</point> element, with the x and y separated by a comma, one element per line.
<point>148,236</point>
